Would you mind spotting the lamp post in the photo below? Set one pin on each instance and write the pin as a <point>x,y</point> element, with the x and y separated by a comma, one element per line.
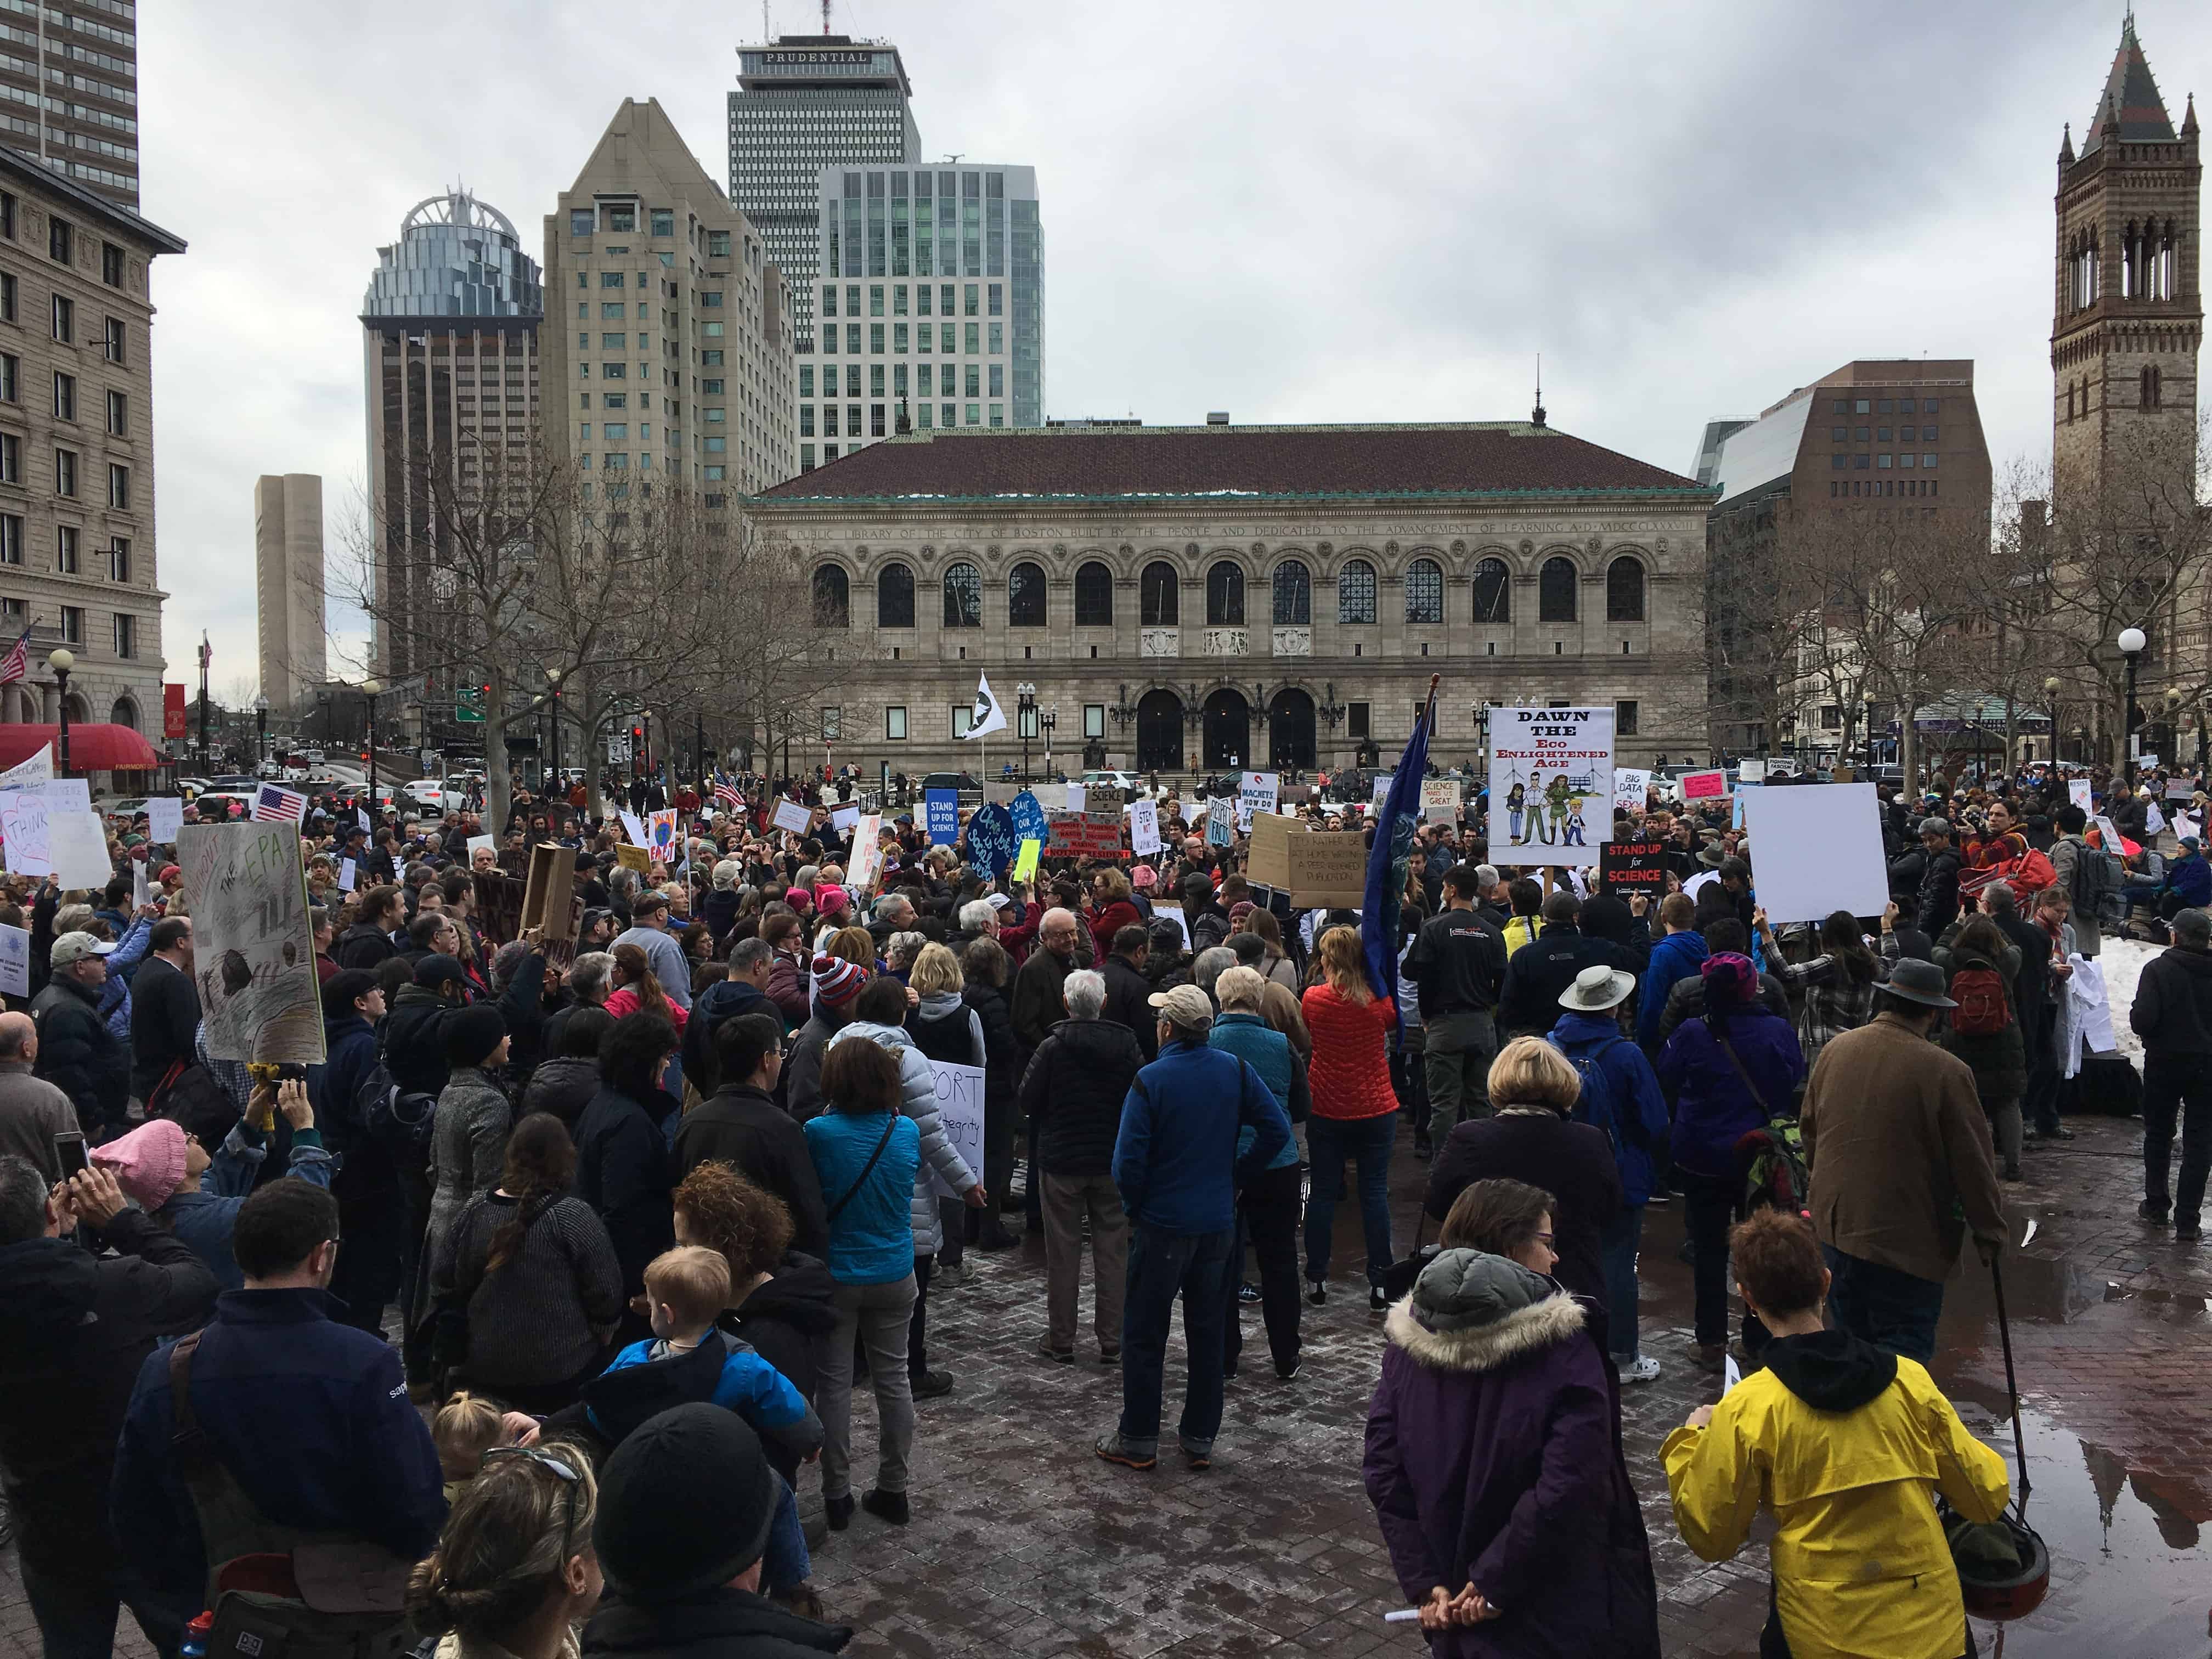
<point>2051,688</point>
<point>553,681</point>
<point>260,730</point>
<point>2132,643</point>
<point>1046,721</point>
<point>1866,700</point>
<point>1025,712</point>
<point>61,661</point>
<point>369,688</point>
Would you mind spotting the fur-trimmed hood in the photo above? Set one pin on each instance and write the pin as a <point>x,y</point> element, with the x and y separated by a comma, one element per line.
<point>1485,1348</point>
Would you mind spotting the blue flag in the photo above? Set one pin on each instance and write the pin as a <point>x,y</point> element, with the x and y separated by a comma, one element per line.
<point>1389,859</point>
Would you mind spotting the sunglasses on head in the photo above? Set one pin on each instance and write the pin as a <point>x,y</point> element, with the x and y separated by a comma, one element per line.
<point>558,1467</point>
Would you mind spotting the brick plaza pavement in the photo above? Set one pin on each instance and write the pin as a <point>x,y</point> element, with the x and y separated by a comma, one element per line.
<point>1024,1542</point>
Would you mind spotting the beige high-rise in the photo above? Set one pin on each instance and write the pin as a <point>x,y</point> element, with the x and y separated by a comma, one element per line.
<point>288,587</point>
<point>667,329</point>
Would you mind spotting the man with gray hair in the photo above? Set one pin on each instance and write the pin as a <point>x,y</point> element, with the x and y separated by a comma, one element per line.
<point>31,1110</point>
<point>1207,968</point>
<point>591,982</point>
<point>892,913</point>
<point>1073,1094</point>
<point>743,991</point>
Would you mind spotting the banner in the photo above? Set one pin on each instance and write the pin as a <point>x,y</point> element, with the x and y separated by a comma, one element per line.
<point>1084,835</point>
<point>1257,791</point>
<point>1632,866</point>
<point>1631,788</point>
<point>991,839</point>
<point>29,772</point>
<point>1819,850</point>
<point>941,810</point>
<point>253,948</point>
<point>960,1110</point>
<point>1551,785</point>
<point>173,712</point>
<point>1144,828</point>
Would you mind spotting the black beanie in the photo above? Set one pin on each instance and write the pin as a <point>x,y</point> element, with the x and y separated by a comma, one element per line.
<point>686,1502</point>
<point>472,1033</point>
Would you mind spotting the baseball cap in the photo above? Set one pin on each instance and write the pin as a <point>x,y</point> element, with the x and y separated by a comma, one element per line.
<point>75,947</point>
<point>1184,1005</point>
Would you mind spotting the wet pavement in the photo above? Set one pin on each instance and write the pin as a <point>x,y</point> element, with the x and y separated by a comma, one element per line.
<point>1023,1542</point>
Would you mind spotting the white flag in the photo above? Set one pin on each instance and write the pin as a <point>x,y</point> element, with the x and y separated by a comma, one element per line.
<point>987,716</point>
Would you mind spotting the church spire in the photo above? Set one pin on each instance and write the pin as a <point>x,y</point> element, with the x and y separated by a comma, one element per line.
<point>2189,118</point>
<point>2066,146</point>
<point>2130,104</point>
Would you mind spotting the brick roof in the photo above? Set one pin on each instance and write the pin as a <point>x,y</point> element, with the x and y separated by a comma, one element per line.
<point>2131,96</point>
<point>1190,463</point>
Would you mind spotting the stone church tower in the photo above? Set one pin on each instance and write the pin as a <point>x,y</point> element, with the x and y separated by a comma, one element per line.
<point>2128,316</point>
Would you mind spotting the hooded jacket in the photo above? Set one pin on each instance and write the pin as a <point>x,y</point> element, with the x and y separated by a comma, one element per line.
<point>1129,1004</point>
<point>1539,974</point>
<point>366,1171</point>
<point>724,1000</point>
<point>1492,1459</point>
<point>1627,1104</point>
<point>917,1100</point>
<point>1073,1093</point>
<point>716,1623</point>
<point>2172,1009</point>
<point>1673,959</point>
<point>1713,1106</point>
<point>1842,1442</point>
<point>79,1055</point>
<point>625,1171</point>
<point>562,1086</point>
<point>413,1039</point>
<point>364,947</point>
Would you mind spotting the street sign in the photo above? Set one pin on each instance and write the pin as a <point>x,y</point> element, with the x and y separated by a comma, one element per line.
<point>468,705</point>
<point>618,749</point>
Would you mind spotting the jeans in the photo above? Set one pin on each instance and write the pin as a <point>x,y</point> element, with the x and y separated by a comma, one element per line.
<point>2177,1085</point>
<point>1709,1204</point>
<point>1617,1246</point>
<point>1459,1049</point>
<point>878,1313</point>
<point>1067,1200</point>
<point>785,1565</point>
<point>1163,1265</point>
<point>76,1610</point>
<point>1884,1305</point>
<point>1267,1217</point>
<point>917,1325</point>
<point>1330,1141</point>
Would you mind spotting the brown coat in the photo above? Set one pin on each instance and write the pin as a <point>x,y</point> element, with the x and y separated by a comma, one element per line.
<point>1897,1141</point>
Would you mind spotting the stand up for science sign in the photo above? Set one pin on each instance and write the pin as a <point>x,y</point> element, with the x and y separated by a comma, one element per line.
<point>1551,785</point>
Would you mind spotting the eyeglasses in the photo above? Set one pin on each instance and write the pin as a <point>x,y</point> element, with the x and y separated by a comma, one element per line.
<point>1545,1239</point>
<point>545,1459</point>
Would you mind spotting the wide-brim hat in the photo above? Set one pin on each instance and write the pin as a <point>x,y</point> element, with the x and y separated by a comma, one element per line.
<point>1596,990</point>
<point>1918,981</point>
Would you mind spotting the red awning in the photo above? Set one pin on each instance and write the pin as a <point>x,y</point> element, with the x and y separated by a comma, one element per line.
<point>92,747</point>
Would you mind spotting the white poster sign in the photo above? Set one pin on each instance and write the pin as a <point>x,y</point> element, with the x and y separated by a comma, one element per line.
<point>78,844</point>
<point>868,851</point>
<point>633,827</point>
<point>348,872</point>
<point>23,831</point>
<point>2078,794</point>
<point>141,891</point>
<point>2153,820</point>
<point>1751,771</point>
<point>165,816</point>
<point>791,816</point>
<point>1257,791</point>
<point>484,841</point>
<point>68,795</point>
<point>1551,785</point>
<point>960,1109</point>
<point>254,949</point>
<point>15,960</point>
<point>842,819</point>
<point>1631,788</point>
<point>1144,828</point>
<point>30,773</point>
<point>1382,781</point>
<point>1819,850</point>
<point>1077,798</point>
<point>2110,837</point>
<point>1440,800</point>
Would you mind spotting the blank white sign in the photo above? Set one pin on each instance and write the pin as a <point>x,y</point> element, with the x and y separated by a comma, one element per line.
<point>1816,848</point>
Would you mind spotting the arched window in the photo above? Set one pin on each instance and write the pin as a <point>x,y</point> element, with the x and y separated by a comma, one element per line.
<point>1355,592</point>
<point>1624,590</point>
<point>2153,394</point>
<point>963,596</point>
<point>1493,592</point>
<point>895,596</point>
<point>833,597</point>
<point>125,712</point>
<point>1293,594</point>
<point>1094,596</point>
<point>1425,592</point>
<point>1025,596</point>
<point>1555,592</point>
<point>1225,596</point>
<point>1159,595</point>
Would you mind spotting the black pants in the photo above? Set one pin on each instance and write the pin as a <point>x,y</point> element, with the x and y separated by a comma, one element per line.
<point>374,1227</point>
<point>1268,1220</point>
<point>2040,1104</point>
<point>1709,1205</point>
<point>2178,1086</point>
<point>917,1325</point>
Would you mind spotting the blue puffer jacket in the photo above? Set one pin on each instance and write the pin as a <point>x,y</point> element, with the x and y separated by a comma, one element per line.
<point>1628,1104</point>
<point>1673,959</point>
<point>1267,1052</point>
<point>1712,1105</point>
<point>2191,879</point>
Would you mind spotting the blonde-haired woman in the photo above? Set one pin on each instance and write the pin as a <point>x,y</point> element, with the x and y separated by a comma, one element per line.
<point>515,1571</point>
<point>1355,1115</point>
<point>944,1028</point>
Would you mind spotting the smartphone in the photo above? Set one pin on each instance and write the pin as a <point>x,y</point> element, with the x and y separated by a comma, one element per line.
<point>69,1153</point>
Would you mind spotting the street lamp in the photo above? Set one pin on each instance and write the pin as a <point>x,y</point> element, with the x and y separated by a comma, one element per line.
<point>1047,720</point>
<point>1024,713</point>
<point>1866,696</point>
<point>368,690</point>
<point>61,661</point>
<point>2132,643</point>
<point>2052,687</point>
<point>261,730</point>
<point>553,680</point>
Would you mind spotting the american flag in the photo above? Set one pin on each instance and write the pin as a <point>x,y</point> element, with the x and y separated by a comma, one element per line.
<point>725,790</point>
<point>272,805</point>
<point>15,666</point>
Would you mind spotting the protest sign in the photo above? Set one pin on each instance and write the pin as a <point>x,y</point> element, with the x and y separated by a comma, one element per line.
<point>1257,791</point>
<point>1144,828</point>
<point>29,773</point>
<point>165,816</point>
<point>15,960</point>
<point>2185,825</point>
<point>1632,866</point>
<point>941,808</point>
<point>253,947</point>
<point>1328,868</point>
<point>348,874</point>
<point>548,892</point>
<point>1077,795</point>
<point>633,827</point>
<point>76,842</point>
<point>1631,788</point>
<point>484,841</point>
<point>2109,835</point>
<point>1736,810</point>
<point>1383,782</point>
<point>1026,863</point>
<point>70,795</point>
<point>1702,786</point>
<point>960,1111</point>
<point>999,792</point>
<point>2153,820</point>
<point>791,816</point>
<point>1083,835</point>
<point>1028,814</point>
<point>1099,798</point>
<point>1751,771</point>
<point>1551,785</point>
<point>661,828</point>
<point>2180,789</point>
<point>992,839</point>
<point>1220,820</point>
<point>634,858</point>
<point>2146,762</point>
<point>1819,850</point>
<point>23,831</point>
<point>842,819</point>
<point>1268,859</point>
<point>142,890</point>
<point>2078,795</point>
<point>868,851</point>
<point>1440,800</point>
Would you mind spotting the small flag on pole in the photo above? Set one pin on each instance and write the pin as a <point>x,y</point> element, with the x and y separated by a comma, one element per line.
<point>273,805</point>
<point>15,665</point>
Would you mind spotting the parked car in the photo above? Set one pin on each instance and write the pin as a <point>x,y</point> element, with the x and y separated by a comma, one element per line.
<point>1127,782</point>
<point>120,812</point>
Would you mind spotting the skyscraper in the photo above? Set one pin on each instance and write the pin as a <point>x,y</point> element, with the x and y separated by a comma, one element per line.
<point>805,102</point>
<point>74,67</point>
<point>963,344</point>
<point>287,569</point>
<point>450,353</point>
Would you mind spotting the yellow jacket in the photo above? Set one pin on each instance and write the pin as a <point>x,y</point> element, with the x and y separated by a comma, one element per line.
<point>1861,1567</point>
<point>1520,931</point>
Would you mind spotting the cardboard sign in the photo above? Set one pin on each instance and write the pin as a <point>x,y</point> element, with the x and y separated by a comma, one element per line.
<point>2078,794</point>
<point>1267,860</point>
<point>1328,869</point>
<point>165,816</point>
<point>1101,798</point>
<point>1632,866</point>
<point>634,858</point>
<point>1440,800</point>
<point>1083,835</point>
<point>1144,828</point>
<point>1819,850</point>
<point>1702,786</point>
<point>791,816</point>
<point>1025,862</point>
<point>960,1110</point>
<point>1630,789</point>
<point>1257,791</point>
<point>253,946</point>
<point>15,960</point>
<point>1220,820</point>
<point>942,809</point>
<point>549,890</point>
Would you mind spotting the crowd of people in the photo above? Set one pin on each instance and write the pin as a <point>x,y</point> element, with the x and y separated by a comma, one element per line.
<point>570,1259</point>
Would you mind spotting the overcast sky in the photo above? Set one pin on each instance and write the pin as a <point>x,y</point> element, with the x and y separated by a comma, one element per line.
<point>1290,211</point>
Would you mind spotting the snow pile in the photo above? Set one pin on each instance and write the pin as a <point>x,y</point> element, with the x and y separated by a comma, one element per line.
<point>2122,960</point>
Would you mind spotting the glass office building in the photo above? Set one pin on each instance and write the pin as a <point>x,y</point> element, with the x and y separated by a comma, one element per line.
<point>930,302</point>
<point>456,257</point>
<point>805,102</point>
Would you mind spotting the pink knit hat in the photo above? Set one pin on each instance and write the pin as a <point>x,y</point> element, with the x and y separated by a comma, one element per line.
<point>149,1163</point>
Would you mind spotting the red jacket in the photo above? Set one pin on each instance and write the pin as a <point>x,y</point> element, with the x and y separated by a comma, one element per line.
<point>1350,1074</point>
<point>1105,923</point>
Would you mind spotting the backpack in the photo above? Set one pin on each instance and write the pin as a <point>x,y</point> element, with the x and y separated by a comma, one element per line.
<point>398,1119</point>
<point>1775,1172</point>
<point>1984,1008</point>
<point>2095,887</point>
<point>1597,1105</point>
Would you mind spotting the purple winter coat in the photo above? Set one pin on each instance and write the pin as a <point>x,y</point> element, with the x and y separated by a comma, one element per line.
<point>1493,1459</point>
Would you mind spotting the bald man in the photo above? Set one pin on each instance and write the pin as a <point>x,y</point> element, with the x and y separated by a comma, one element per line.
<point>31,1110</point>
